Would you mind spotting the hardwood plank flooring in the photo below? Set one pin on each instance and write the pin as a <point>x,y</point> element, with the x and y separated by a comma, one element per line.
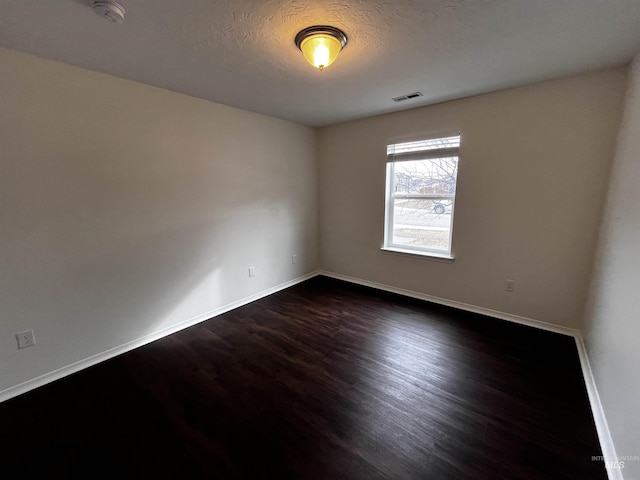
<point>324,380</point>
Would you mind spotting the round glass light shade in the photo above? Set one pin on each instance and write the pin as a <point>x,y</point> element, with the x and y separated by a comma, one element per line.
<point>321,44</point>
<point>320,50</point>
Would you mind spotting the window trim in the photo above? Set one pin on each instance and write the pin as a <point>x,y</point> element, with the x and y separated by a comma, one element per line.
<point>428,154</point>
<point>427,255</point>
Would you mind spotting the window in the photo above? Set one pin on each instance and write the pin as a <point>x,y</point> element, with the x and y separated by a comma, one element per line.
<point>421,194</point>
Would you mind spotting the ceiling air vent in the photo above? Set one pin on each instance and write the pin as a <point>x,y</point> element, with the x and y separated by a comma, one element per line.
<point>408,96</point>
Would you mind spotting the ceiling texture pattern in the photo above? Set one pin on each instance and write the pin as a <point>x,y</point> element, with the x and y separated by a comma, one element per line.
<point>241,52</point>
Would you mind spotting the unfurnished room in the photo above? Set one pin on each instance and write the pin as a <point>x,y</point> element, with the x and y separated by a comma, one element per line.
<point>320,239</point>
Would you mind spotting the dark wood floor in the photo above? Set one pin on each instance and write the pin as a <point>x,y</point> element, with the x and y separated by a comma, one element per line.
<point>325,380</point>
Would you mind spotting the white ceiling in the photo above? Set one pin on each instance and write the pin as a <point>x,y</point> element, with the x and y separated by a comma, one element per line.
<point>241,52</point>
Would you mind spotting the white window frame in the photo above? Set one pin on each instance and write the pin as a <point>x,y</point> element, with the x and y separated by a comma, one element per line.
<point>426,149</point>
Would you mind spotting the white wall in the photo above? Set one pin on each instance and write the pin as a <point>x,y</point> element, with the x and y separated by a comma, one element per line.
<point>126,209</point>
<point>612,321</point>
<point>533,168</point>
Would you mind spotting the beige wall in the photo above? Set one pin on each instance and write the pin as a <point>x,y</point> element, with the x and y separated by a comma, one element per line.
<point>612,321</point>
<point>126,209</point>
<point>533,168</point>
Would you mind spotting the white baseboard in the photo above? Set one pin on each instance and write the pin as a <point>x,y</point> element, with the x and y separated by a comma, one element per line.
<point>604,435</point>
<point>24,387</point>
<point>459,305</point>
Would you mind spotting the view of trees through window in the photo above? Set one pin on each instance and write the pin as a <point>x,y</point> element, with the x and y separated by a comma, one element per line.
<point>422,197</point>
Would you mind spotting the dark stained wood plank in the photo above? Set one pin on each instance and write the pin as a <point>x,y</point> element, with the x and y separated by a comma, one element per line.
<point>325,380</point>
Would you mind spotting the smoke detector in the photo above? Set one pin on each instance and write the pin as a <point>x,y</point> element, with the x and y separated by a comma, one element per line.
<point>109,10</point>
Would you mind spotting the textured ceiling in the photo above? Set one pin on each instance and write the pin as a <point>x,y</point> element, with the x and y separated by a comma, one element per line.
<point>241,52</point>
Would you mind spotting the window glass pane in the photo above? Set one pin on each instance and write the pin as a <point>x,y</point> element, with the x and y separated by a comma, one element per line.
<point>426,177</point>
<point>422,223</point>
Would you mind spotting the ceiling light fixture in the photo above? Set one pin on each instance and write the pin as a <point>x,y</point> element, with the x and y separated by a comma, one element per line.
<point>321,44</point>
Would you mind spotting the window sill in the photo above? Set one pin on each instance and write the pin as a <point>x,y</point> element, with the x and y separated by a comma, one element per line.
<point>439,257</point>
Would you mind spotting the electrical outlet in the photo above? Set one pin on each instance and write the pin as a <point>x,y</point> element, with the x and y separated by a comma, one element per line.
<point>294,259</point>
<point>26,339</point>
<point>509,285</point>
<point>252,271</point>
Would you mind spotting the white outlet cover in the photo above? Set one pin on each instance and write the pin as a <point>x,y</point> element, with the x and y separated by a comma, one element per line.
<point>26,339</point>
<point>510,285</point>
